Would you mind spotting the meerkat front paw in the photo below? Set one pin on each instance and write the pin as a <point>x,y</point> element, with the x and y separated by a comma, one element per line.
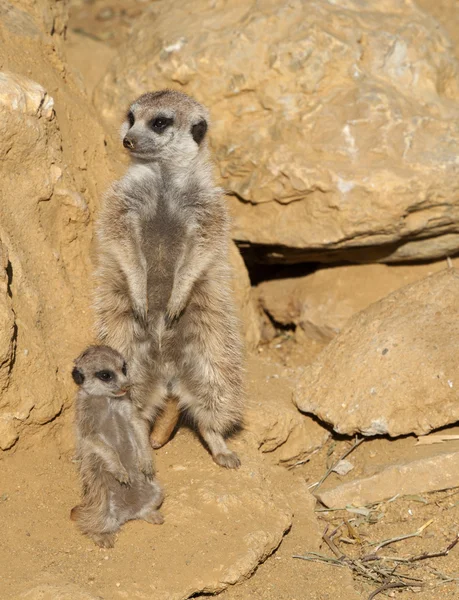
<point>140,314</point>
<point>173,314</point>
<point>123,477</point>
<point>145,466</point>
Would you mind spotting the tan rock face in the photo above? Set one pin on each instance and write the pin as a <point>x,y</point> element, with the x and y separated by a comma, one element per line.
<point>393,369</point>
<point>334,125</point>
<point>49,143</point>
<point>322,303</point>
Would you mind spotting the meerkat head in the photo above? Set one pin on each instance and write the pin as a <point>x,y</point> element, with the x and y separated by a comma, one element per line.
<point>165,126</point>
<point>101,371</point>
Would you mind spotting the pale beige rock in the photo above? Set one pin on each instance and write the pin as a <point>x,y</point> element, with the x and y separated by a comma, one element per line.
<point>322,303</point>
<point>335,125</point>
<point>427,474</point>
<point>393,369</point>
<point>8,431</point>
<point>23,94</point>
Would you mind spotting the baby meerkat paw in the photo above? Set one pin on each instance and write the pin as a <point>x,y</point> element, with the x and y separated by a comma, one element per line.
<point>228,460</point>
<point>123,477</point>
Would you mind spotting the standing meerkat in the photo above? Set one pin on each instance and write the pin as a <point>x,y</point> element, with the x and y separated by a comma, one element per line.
<point>164,284</point>
<point>112,449</point>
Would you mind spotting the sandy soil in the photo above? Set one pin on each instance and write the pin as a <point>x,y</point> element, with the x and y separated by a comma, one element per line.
<point>40,545</point>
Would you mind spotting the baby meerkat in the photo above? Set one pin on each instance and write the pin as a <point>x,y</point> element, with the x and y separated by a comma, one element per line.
<point>164,284</point>
<point>112,448</point>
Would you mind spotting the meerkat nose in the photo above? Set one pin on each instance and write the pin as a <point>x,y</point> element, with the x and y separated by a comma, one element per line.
<point>128,143</point>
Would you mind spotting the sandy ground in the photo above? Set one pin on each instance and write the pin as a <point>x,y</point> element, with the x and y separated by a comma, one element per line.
<point>40,545</point>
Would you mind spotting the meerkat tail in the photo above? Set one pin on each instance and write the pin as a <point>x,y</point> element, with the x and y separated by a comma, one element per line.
<point>165,424</point>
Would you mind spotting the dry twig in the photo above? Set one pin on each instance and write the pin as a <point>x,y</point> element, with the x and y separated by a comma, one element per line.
<point>400,538</point>
<point>317,485</point>
<point>378,571</point>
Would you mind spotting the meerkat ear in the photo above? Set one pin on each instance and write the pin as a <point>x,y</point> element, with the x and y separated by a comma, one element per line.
<point>198,131</point>
<point>78,376</point>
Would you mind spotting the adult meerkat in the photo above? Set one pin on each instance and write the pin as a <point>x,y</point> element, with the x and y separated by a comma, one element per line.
<point>163,297</point>
<point>113,451</point>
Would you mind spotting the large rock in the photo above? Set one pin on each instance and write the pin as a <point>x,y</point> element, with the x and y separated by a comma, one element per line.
<point>54,169</point>
<point>393,369</point>
<point>335,126</point>
<point>322,303</point>
<point>428,474</point>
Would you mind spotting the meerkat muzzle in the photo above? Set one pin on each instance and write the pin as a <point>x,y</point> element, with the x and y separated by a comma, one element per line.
<point>128,143</point>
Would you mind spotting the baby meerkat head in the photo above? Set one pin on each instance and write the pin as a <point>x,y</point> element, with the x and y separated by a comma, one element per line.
<point>101,371</point>
<point>164,126</point>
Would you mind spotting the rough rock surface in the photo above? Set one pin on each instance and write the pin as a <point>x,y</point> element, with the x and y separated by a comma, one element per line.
<point>47,201</point>
<point>219,524</point>
<point>393,368</point>
<point>439,472</point>
<point>322,303</point>
<point>271,419</point>
<point>338,138</point>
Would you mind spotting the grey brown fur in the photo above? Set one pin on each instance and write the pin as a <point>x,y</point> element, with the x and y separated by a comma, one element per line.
<point>163,297</point>
<point>112,450</point>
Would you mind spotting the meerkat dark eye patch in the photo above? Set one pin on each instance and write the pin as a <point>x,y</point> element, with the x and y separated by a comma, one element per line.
<point>159,124</point>
<point>198,131</point>
<point>124,369</point>
<point>131,118</point>
<point>105,375</point>
<point>78,376</point>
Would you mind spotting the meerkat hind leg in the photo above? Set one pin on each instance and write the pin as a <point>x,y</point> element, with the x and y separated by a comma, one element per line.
<point>153,516</point>
<point>221,454</point>
<point>165,424</point>
<point>103,540</point>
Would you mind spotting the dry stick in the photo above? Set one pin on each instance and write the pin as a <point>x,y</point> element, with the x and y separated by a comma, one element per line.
<point>353,564</point>
<point>400,538</point>
<point>317,485</point>
<point>426,554</point>
<point>305,460</point>
<point>389,586</point>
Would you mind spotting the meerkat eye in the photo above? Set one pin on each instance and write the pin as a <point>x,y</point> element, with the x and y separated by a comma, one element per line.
<point>124,369</point>
<point>105,375</point>
<point>159,124</point>
<point>131,118</point>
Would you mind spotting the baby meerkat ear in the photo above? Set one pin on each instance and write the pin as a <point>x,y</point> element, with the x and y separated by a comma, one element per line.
<point>78,376</point>
<point>198,131</point>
